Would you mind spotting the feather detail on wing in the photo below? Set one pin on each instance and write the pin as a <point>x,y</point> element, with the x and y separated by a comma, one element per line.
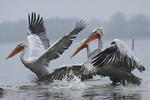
<point>62,44</point>
<point>87,67</point>
<point>66,72</point>
<point>36,36</point>
<point>118,54</point>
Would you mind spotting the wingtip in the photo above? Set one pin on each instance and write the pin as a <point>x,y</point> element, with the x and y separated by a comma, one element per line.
<point>36,23</point>
<point>142,68</point>
<point>81,24</point>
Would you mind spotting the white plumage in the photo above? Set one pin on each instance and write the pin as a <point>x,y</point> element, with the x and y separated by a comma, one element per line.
<point>41,53</point>
<point>118,54</point>
<point>116,61</point>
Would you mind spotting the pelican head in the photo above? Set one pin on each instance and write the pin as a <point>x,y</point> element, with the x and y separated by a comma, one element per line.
<point>19,48</point>
<point>97,33</point>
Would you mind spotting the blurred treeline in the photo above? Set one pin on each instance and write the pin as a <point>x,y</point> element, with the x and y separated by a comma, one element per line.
<point>118,26</point>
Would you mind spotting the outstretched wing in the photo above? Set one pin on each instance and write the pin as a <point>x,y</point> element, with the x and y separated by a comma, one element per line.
<point>37,39</point>
<point>62,72</point>
<point>66,72</point>
<point>62,44</point>
<point>118,54</point>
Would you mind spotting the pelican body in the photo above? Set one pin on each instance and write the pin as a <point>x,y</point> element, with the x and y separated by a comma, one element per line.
<point>41,53</point>
<point>116,61</point>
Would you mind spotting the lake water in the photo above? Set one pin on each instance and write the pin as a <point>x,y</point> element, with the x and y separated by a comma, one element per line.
<point>17,85</point>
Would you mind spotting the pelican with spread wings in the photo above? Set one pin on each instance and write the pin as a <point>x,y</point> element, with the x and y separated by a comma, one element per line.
<point>41,53</point>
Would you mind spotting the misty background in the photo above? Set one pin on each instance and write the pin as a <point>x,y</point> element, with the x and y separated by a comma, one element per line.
<point>120,18</point>
<point>118,26</point>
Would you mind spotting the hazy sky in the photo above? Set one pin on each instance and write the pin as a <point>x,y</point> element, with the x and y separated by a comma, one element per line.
<point>14,10</point>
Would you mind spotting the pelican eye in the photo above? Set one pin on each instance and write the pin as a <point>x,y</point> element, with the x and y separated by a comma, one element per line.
<point>95,31</point>
<point>113,42</point>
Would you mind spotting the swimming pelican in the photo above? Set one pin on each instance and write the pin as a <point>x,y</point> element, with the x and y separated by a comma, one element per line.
<point>87,68</point>
<point>116,61</point>
<point>41,53</point>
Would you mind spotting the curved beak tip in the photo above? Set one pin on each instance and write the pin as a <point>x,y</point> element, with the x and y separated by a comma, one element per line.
<point>7,58</point>
<point>71,56</point>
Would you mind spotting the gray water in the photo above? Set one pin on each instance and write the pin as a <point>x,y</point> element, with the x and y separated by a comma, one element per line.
<point>17,85</point>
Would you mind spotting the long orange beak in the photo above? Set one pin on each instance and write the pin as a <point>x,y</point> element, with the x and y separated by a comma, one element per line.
<point>15,51</point>
<point>93,36</point>
<point>78,49</point>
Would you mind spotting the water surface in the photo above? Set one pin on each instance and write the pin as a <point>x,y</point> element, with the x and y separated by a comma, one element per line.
<point>17,85</point>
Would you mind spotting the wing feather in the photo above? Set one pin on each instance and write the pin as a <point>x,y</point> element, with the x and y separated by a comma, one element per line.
<point>36,36</point>
<point>118,54</point>
<point>67,71</point>
<point>62,44</point>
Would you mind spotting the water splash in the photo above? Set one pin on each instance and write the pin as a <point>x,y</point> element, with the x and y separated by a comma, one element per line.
<point>66,83</point>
